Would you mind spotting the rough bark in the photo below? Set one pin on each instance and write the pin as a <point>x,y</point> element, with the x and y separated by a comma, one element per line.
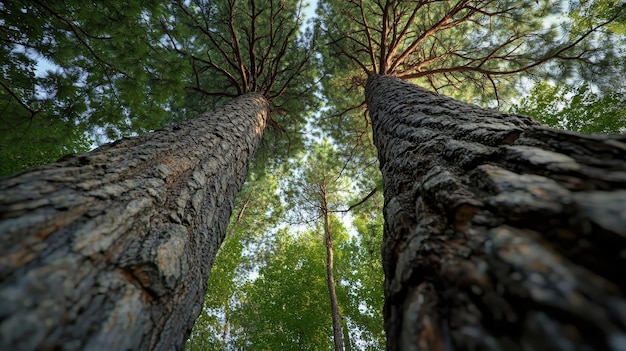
<point>111,250</point>
<point>500,234</point>
<point>330,279</point>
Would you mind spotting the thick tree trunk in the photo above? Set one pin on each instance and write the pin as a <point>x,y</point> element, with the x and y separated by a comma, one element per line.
<point>330,279</point>
<point>500,234</point>
<point>111,250</point>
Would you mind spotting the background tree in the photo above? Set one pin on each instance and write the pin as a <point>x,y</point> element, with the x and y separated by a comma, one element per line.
<point>317,193</point>
<point>591,102</point>
<point>257,211</point>
<point>280,283</point>
<point>361,292</point>
<point>321,193</point>
<point>576,109</point>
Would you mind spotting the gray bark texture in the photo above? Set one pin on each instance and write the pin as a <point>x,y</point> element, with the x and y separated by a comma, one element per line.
<point>111,250</point>
<point>500,234</point>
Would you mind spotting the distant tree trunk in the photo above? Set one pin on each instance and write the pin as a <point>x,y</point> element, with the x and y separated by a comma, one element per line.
<point>226,323</point>
<point>346,337</point>
<point>330,279</point>
<point>111,250</point>
<point>499,234</point>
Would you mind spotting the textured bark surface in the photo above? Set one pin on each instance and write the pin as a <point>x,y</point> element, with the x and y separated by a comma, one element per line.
<point>500,234</point>
<point>111,250</point>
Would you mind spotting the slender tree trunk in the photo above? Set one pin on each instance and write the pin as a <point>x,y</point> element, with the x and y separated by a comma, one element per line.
<point>226,324</point>
<point>330,279</point>
<point>111,250</point>
<point>346,337</point>
<point>500,234</point>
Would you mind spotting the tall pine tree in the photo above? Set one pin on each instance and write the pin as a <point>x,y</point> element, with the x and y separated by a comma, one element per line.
<point>133,227</point>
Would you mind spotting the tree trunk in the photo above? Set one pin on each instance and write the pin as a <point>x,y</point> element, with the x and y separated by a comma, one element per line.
<point>346,337</point>
<point>111,250</point>
<point>500,234</point>
<point>330,279</point>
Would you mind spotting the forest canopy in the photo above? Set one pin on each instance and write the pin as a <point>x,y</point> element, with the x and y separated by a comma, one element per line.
<point>78,74</point>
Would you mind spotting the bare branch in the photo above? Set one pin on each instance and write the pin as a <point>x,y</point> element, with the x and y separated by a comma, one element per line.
<point>440,25</point>
<point>76,30</point>
<point>8,89</point>
<point>359,203</point>
<point>557,54</point>
<point>237,48</point>
<point>369,37</point>
<point>382,66</point>
<point>240,214</point>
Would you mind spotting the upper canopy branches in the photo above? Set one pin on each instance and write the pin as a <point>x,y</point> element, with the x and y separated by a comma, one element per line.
<point>453,42</point>
<point>122,67</point>
<point>243,46</point>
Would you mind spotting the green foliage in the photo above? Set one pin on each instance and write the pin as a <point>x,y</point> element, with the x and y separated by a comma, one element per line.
<point>224,284</point>
<point>285,308</point>
<point>609,60</point>
<point>361,290</point>
<point>28,142</point>
<point>258,208</point>
<point>121,68</point>
<point>268,291</point>
<point>106,75</point>
<point>327,183</point>
<point>236,47</point>
<point>473,51</point>
<point>284,304</point>
<point>576,109</point>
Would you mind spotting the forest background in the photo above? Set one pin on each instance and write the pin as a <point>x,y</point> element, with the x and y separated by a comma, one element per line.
<point>126,68</point>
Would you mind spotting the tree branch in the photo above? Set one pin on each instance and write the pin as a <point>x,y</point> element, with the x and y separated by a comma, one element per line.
<point>16,97</point>
<point>359,203</point>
